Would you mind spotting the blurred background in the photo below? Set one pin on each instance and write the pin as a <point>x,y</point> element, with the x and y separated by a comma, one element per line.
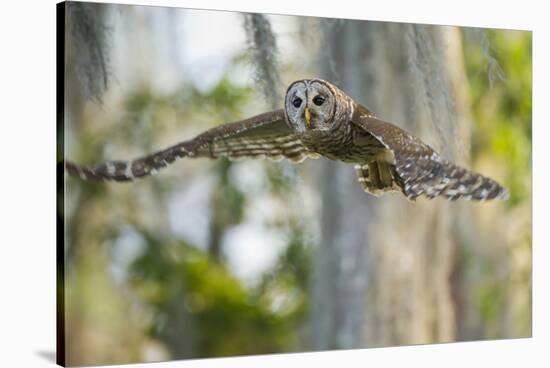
<point>220,258</point>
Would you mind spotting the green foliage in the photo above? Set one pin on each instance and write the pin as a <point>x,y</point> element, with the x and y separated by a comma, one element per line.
<point>491,297</point>
<point>190,291</point>
<point>229,319</point>
<point>279,183</point>
<point>500,78</point>
<point>228,200</point>
<point>502,108</point>
<point>224,101</point>
<point>286,286</point>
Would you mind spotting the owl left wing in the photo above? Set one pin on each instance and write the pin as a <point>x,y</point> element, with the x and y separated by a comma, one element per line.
<point>264,135</point>
<point>406,163</point>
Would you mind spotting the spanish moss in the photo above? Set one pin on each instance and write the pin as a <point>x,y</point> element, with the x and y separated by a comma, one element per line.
<point>493,68</point>
<point>264,52</point>
<point>88,36</point>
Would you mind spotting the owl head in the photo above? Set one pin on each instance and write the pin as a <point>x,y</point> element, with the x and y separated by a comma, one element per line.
<point>315,105</point>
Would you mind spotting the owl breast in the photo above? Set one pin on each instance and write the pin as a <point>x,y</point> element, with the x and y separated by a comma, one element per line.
<point>343,144</point>
<point>331,144</point>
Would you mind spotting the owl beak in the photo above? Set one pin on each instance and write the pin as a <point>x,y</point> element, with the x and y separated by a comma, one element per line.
<point>307,116</point>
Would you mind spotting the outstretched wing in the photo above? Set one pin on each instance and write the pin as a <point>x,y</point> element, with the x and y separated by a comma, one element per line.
<point>406,163</point>
<point>264,135</point>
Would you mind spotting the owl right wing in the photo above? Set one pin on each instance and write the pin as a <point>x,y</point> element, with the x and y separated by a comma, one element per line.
<point>264,135</point>
<point>405,163</point>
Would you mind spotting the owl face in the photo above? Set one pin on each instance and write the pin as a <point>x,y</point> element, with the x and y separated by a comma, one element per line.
<point>310,106</point>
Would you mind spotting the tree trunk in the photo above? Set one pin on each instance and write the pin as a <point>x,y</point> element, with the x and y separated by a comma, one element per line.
<point>406,74</point>
<point>341,269</point>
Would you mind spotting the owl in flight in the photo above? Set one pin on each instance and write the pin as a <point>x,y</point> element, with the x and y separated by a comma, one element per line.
<point>319,119</point>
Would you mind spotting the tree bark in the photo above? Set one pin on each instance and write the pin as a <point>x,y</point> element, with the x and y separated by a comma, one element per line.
<point>405,74</point>
<point>341,269</point>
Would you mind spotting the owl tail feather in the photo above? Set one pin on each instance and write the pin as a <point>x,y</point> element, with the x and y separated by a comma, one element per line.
<point>444,178</point>
<point>469,185</point>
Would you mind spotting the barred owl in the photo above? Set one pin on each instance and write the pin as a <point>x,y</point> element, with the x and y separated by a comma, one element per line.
<point>319,119</point>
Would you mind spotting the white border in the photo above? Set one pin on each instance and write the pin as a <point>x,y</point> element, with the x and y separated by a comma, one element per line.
<point>27,312</point>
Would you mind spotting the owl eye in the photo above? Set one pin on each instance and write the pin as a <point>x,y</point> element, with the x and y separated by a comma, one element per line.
<point>318,100</point>
<point>297,102</point>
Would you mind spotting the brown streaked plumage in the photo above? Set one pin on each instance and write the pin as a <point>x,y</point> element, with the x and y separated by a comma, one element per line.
<point>321,120</point>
